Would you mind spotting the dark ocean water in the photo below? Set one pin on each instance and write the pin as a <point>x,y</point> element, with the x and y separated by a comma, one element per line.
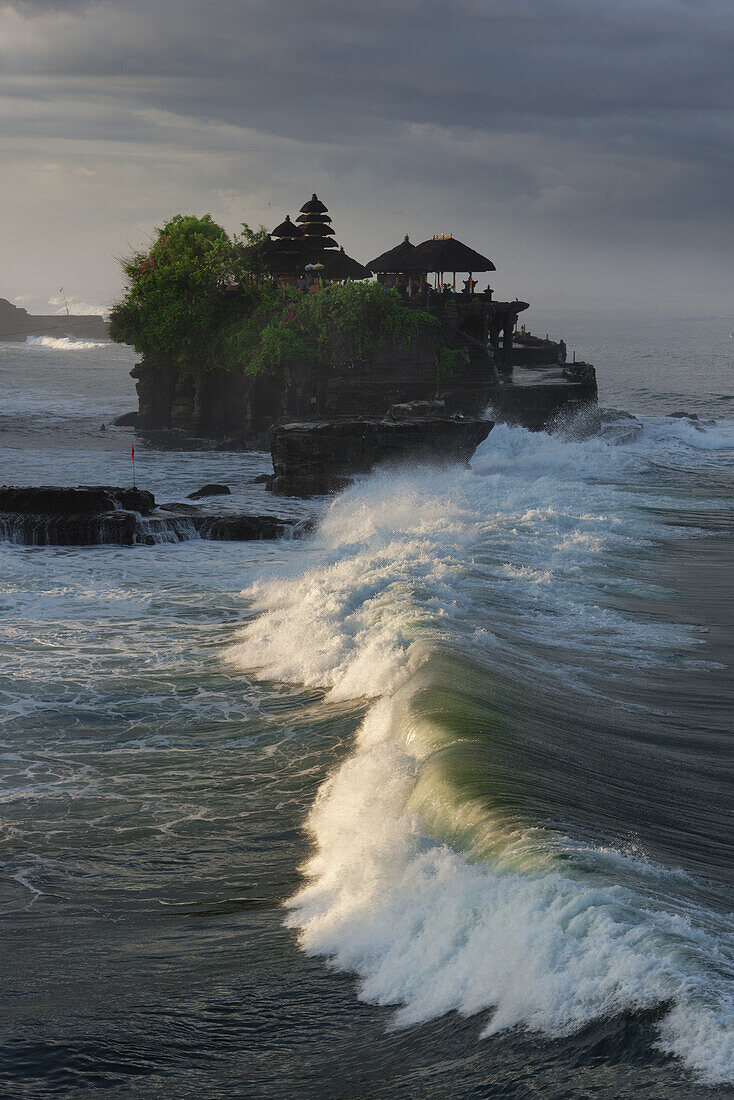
<point>437,803</point>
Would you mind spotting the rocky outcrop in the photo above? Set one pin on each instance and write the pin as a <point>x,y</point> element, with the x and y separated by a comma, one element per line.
<point>180,526</point>
<point>347,381</point>
<point>536,397</point>
<point>213,489</point>
<point>76,529</point>
<point>449,359</point>
<point>57,500</point>
<point>105,515</point>
<point>321,456</point>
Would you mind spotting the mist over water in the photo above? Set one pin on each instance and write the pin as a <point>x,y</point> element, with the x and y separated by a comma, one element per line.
<point>435,803</point>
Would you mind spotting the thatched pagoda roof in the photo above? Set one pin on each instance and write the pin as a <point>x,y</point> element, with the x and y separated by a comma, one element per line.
<point>316,229</point>
<point>401,258</point>
<point>314,206</point>
<point>287,228</point>
<point>448,254</point>
<point>292,245</point>
<point>314,218</point>
<point>340,266</point>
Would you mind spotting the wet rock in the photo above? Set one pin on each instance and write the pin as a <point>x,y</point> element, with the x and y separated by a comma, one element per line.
<point>694,420</point>
<point>247,528</point>
<point>118,528</point>
<point>610,416</point>
<point>94,515</point>
<point>104,515</point>
<point>58,500</point>
<point>261,479</point>
<point>181,508</point>
<point>127,420</point>
<point>411,410</point>
<point>618,427</point>
<point>316,457</point>
<point>212,490</point>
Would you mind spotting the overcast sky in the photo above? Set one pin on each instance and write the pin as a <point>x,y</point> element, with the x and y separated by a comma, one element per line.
<point>586,146</point>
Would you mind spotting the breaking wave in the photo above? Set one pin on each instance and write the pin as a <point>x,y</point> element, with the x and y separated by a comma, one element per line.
<point>446,598</point>
<point>63,343</point>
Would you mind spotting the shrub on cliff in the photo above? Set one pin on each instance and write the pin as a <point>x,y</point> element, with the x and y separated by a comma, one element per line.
<point>179,294</point>
<point>290,325</point>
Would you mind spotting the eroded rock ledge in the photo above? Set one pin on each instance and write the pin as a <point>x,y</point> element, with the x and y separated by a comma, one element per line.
<point>322,456</point>
<point>103,515</point>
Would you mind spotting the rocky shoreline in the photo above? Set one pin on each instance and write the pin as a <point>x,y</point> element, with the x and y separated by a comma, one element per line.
<point>104,515</point>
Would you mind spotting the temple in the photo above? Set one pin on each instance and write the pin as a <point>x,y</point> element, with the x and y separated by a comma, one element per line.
<point>305,254</point>
<point>336,414</point>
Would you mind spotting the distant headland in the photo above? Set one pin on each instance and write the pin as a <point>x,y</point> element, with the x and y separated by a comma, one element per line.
<point>17,324</point>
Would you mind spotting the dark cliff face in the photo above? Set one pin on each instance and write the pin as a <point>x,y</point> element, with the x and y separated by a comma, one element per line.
<point>218,404</point>
<point>212,405</point>
<point>395,373</point>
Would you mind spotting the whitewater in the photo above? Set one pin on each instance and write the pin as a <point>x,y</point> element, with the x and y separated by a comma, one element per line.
<point>439,898</point>
<point>433,803</point>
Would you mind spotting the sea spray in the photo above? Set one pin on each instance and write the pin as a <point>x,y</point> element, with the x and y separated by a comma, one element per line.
<point>439,898</point>
<point>63,343</point>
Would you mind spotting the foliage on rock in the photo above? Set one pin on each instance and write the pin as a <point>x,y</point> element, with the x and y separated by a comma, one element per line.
<point>179,294</point>
<point>200,300</point>
<point>449,361</point>
<point>306,324</point>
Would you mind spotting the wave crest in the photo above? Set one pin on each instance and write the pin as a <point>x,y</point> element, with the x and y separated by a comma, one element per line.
<point>63,343</point>
<point>438,899</point>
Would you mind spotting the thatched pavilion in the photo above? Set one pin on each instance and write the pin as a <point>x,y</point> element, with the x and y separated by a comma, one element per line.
<point>400,260</point>
<point>435,256</point>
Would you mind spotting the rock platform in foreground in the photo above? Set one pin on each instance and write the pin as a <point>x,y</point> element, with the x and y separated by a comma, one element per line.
<point>62,500</point>
<point>321,456</point>
<point>103,515</point>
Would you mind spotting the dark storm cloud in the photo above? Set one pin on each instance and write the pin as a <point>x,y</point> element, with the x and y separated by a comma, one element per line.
<point>433,62</point>
<point>585,119</point>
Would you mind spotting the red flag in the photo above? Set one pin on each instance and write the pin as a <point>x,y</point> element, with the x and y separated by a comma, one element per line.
<point>132,453</point>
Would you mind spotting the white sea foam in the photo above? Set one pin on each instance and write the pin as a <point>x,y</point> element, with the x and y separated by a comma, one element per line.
<point>403,559</point>
<point>63,343</point>
<point>431,932</point>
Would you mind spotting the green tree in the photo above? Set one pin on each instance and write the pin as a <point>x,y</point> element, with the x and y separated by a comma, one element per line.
<point>179,294</point>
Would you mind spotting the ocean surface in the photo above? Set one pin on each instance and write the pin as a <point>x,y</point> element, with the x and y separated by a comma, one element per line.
<point>436,803</point>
